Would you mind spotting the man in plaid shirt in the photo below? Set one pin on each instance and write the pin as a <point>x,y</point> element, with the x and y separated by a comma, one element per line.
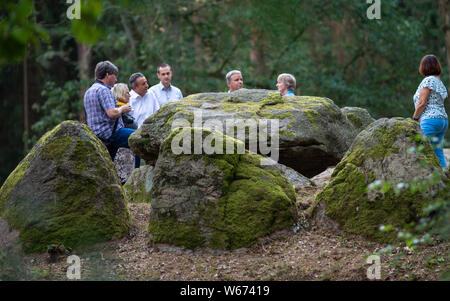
<point>103,115</point>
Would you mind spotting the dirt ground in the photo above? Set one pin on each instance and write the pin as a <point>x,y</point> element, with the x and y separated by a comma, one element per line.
<point>311,254</point>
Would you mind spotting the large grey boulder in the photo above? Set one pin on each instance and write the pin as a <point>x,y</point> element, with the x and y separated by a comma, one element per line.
<point>386,151</point>
<point>221,201</point>
<point>137,188</point>
<point>65,191</point>
<point>124,163</point>
<point>359,117</point>
<point>313,132</point>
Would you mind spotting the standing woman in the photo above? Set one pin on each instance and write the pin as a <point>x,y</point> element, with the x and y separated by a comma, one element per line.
<point>429,104</point>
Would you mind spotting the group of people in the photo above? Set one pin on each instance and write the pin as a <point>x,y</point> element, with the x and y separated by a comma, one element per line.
<point>113,112</point>
<point>286,83</point>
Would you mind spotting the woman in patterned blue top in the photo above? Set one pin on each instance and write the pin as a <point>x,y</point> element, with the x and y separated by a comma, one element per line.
<point>429,103</point>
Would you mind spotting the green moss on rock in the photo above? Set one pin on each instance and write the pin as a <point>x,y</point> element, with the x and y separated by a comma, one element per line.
<point>379,153</point>
<point>167,229</point>
<point>66,192</point>
<point>355,120</point>
<point>138,186</point>
<point>251,202</point>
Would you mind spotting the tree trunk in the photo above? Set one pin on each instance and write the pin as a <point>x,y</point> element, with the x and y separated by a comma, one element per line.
<point>26,125</point>
<point>257,53</point>
<point>444,6</point>
<point>84,63</point>
<point>130,37</point>
<point>84,60</point>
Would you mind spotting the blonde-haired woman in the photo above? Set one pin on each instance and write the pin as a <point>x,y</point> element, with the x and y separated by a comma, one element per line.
<point>122,95</point>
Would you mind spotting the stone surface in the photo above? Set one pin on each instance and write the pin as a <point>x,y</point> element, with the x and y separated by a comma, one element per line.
<point>359,117</point>
<point>65,191</point>
<point>323,178</point>
<point>295,179</point>
<point>313,132</point>
<point>124,163</point>
<point>137,188</point>
<point>219,201</point>
<point>382,152</point>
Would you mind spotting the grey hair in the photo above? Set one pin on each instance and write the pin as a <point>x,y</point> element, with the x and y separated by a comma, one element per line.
<point>231,73</point>
<point>288,80</point>
<point>105,67</point>
<point>134,77</point>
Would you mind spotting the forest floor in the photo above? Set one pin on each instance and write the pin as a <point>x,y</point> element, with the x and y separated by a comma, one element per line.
<point>312,254</point>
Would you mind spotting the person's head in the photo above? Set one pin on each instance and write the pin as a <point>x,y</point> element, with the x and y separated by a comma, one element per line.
<point>121,92</point>
<point>234,80</point>
<point>139,83</point>
<point>429,65</point>
<point>106,72</point>
<point>285,82</point>
<point>164,73</point>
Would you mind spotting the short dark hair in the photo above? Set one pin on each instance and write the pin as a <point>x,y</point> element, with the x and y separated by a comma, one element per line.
<point>429,65</point>
<point>134,77</point>
<point>163,66</point>
<point>105,67</point>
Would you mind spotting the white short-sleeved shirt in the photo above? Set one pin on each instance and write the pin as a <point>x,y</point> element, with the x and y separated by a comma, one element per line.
<point>435,106</point>
<point>142,107</point>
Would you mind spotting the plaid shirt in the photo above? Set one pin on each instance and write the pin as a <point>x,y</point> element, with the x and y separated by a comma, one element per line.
<point>97,100</point>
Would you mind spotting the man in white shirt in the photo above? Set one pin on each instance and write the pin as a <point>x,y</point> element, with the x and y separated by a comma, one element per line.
<point>234,80</point>
<point>142,103</point>
<point>164,92</point>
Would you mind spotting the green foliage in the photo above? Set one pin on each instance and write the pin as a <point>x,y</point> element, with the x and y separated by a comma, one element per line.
<point>87,29</point>
<point>62,103</point>
<point>18,30</point>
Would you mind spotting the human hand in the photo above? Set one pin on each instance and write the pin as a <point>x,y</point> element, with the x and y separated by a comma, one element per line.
<point>125,109</point>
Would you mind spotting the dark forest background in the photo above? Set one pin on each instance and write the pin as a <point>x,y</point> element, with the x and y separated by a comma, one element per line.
<point>331,47</point>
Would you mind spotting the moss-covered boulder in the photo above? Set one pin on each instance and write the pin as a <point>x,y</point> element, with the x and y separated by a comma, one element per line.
<point>359,117</point>
<point>313,132</point>
<point>65,191</point>
<point>383,151</point>
<point>223,201</point>
<point>137,188</point>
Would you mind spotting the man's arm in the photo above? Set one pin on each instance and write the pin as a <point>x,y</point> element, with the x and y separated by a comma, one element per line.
<point>109,105</point>
<point>115,113</point>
